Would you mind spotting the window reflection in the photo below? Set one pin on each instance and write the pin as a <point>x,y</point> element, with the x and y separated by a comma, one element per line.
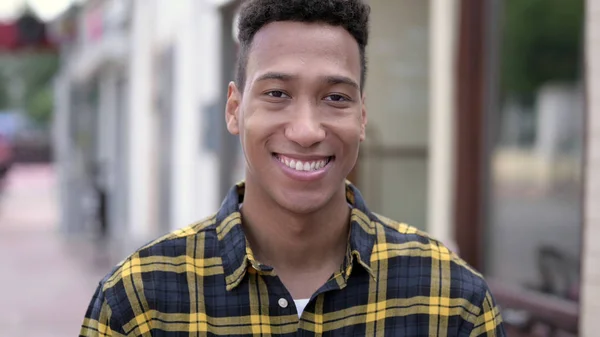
<point>534,225</point>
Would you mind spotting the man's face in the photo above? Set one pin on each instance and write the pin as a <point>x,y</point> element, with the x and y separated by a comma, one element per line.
<point>301,117</point>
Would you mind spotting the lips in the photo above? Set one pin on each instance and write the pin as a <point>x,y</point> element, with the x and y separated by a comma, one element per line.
<point>314,164</point>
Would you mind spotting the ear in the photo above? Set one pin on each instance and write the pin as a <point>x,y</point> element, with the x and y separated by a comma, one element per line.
<point>232,109</point>
<point>363,119</point>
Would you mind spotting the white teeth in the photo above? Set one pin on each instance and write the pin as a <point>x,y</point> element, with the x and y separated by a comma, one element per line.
<point>303,166</point>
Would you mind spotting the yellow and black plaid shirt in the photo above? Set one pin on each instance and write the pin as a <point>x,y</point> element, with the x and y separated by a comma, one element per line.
<point>203,281</point>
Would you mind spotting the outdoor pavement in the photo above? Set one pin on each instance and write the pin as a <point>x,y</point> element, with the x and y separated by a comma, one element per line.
<point>46,279</point>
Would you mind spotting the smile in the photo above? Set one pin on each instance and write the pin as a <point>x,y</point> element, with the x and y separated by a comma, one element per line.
<point>304,165</point>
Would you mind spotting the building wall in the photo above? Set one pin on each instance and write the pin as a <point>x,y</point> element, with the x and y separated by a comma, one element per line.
<point>158,86</point>
<point>94,62</point>
<point>397,96</point>
<point>190,29</point>
<point>173,172</point>
<point>590,298</point>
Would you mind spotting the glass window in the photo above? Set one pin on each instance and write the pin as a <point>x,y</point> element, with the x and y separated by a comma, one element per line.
<point>534,224</point>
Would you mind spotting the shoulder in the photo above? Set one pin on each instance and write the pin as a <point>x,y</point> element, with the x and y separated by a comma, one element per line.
<point>407,241</point>
<point>133,287</point>
<point>171,252</point>
<point>439,273</point>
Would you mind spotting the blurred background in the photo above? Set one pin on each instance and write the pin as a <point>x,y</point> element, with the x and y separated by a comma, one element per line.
<point>484,131</point>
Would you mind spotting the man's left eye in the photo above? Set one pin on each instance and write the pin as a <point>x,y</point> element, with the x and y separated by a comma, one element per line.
<point>336,98</point>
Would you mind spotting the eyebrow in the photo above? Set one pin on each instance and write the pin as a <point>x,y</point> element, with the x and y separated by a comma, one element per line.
<point>341,80</point>
<point>275,76</point>
<point>331,79</point>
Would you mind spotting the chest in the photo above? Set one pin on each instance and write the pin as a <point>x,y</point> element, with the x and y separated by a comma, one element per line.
<point>262,306</point>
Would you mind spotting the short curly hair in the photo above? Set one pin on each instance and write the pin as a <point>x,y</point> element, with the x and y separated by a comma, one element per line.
<point>352,15</point>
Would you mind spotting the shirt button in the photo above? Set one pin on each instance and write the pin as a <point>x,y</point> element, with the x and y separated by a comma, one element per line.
<point>283,303</point>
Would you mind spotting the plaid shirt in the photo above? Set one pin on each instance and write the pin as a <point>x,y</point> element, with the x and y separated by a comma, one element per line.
<point>204,281</point>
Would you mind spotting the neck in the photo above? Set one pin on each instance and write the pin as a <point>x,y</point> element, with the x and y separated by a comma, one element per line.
<point>290,241</point>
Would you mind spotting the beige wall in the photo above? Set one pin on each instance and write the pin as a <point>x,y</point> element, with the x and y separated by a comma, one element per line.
<point>590,298</point>
<point>397,99</point>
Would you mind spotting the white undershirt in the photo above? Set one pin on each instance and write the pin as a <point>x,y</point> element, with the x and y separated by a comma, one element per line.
<point>300,305</point>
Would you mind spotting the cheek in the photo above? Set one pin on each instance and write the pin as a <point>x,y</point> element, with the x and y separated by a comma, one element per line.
<point>256,131</point>
<point>252,129</point>
<point>348,131</point>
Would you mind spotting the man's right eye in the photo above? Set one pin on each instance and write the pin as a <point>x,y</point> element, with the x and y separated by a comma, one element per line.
<point>277,94</point>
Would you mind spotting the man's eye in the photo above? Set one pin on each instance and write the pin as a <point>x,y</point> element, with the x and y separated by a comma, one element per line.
<point>336,98</point>
<point>277,94</point>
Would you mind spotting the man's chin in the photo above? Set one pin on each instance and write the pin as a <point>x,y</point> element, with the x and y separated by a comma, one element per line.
<point>306,209</point>
<point>304,203</point>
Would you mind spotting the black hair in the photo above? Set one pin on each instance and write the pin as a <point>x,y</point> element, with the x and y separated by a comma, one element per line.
<point>352,15</point>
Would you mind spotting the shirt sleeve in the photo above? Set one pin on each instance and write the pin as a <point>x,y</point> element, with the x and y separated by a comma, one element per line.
<point>489,321</point>
<point>99,320</point>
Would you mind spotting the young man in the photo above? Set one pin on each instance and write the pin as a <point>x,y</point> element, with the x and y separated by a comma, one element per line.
<point>294,249</point>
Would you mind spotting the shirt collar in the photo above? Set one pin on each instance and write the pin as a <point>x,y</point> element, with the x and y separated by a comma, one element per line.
<point>237,255</point>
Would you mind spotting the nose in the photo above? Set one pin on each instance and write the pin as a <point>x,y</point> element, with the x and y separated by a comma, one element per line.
<point>305,127</point>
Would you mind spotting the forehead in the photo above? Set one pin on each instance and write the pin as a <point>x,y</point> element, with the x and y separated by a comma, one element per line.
<point>302,49</point>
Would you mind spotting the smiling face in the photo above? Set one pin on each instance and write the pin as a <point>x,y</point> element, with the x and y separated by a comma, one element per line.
<point>301,116</point>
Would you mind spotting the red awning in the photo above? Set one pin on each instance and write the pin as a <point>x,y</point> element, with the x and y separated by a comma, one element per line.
<point>8,36</point>
<point>27,32</point>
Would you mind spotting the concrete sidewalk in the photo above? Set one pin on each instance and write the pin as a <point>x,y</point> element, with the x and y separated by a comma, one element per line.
<point>46,280</point>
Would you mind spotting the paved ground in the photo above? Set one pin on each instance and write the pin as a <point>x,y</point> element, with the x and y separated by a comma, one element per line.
<point>46,280</point>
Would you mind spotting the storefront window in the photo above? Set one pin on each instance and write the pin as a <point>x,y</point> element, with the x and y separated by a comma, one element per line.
<point>534,220</point>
